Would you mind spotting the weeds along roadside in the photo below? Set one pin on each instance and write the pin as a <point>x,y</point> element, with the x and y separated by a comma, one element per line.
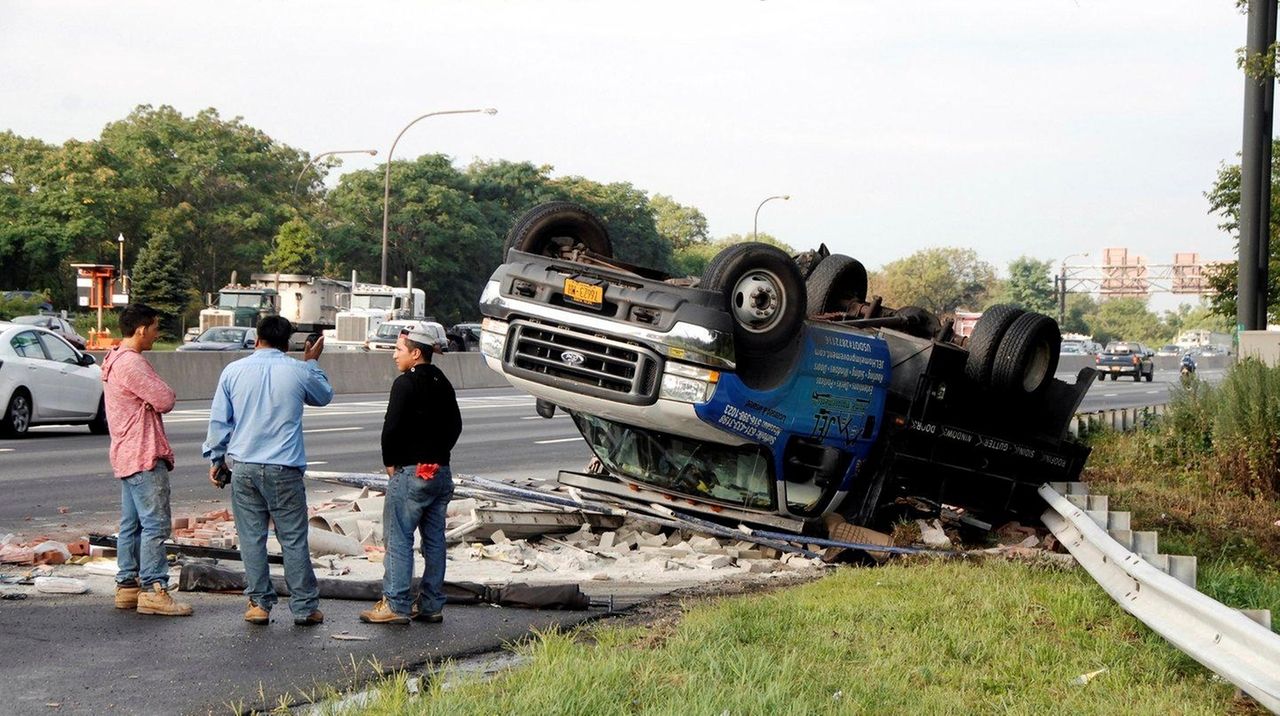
<point>928,637</point>
<point>1206,475</point>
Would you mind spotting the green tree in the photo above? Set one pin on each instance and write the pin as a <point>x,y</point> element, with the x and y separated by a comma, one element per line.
<point>692,259</point>
<point>1029,286</point>
<point>1081,315</point>
<point>219,188</point>
<point>294,250</point>
<point>939,279</point>
<point>1224,200</point>
<point>1127,319</point>
<point>161,281</point>
<point>681,226</point>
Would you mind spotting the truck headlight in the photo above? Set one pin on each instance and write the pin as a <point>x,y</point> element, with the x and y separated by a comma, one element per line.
<point>493,338</point>
<point>687,383</point>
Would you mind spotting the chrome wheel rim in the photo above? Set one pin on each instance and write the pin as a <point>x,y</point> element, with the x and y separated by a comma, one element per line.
<point>20,414</point>
<point>758,301</point>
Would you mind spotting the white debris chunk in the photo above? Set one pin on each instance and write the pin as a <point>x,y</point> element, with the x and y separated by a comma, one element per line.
<point>931,534</point>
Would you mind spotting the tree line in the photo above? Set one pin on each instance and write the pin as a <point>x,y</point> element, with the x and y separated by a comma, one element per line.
<point>200,196</point>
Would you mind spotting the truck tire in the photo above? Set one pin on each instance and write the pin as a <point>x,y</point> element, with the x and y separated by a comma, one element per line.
<point>837,280</point>
<point>553,227</point>
<point>985,340</point>
<point>1152,374</point>
<point>763,292</point>
<point>1028,355</point>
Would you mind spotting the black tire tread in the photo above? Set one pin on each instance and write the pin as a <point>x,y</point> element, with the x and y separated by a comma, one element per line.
<point>528,231</point>
<point>985,341</point>
<point>836,279</point>
<point>1015,348</point>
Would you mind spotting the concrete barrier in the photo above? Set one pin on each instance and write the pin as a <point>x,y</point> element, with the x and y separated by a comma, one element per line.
<point>194,375</point>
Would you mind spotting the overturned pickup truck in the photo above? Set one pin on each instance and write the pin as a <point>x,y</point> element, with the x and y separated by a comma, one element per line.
<point>772,390</point>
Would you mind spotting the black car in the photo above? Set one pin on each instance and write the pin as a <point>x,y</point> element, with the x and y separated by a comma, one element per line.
<point>464,337</point>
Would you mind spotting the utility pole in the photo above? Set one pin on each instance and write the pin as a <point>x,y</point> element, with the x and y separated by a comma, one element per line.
<point>1255,170</point>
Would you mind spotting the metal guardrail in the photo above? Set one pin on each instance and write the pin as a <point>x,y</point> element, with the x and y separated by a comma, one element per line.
<point>1225,640</point>
<point>1118,419</point>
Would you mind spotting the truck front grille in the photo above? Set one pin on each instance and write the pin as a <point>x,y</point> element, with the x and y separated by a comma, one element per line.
<point>583,363</point>
<point>353,328</point>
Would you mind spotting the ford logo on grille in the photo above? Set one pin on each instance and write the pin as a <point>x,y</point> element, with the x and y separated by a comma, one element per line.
<point>573,358</point>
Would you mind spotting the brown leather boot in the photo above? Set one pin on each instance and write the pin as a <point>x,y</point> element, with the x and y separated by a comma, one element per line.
<point>256,614</point>
<point>383,614</point>
<point>157,601</point>
<point>127,596</point>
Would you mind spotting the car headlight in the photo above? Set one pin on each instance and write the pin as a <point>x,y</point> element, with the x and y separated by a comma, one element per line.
<point>687,383</point>
<point>493,339</point>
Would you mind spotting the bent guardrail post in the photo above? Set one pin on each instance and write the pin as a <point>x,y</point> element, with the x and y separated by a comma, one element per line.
<point>1223,639</point>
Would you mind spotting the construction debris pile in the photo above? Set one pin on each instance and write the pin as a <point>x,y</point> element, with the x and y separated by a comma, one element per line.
<point>538,533</point>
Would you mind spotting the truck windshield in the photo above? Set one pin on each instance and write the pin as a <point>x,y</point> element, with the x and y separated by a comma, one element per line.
<point>737,476</point>
<point>367,301</point>
<point>241,300</point>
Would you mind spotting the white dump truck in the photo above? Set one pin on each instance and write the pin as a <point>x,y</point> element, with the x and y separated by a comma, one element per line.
<point>370,304</point>
<point>311,303</point>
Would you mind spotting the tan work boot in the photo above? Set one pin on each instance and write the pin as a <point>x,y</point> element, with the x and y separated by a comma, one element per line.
<point>312,619</point>
<point>382,614</point>
<point>257,615</point>
<point>127,596</point>
<point>157,601</point>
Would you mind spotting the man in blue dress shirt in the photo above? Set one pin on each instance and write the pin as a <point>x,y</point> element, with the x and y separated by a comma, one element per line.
<point>255,428</point>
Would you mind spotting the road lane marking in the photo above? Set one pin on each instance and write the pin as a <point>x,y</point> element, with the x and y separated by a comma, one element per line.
<point>333,430</point>
<point>1110,395</point>
<point>1153,392</point>
<point>539,417</point>
<point>561,440</point>
<point>317,462</point>
<point>7,449</point>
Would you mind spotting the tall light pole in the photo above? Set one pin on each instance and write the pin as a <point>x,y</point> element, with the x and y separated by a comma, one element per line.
<point>756,221</point>
<point>123,288</point>
<point>321,155</point>
<point>386,180</point>
<point>1062,286</point>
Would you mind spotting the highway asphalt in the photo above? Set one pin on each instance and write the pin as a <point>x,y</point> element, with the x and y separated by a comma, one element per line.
<point>57,468</point>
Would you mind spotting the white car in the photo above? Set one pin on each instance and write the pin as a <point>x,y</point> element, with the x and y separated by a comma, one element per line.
<point>45,380</point>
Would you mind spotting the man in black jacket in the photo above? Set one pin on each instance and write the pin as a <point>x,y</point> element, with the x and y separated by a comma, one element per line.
<point>421,427</point>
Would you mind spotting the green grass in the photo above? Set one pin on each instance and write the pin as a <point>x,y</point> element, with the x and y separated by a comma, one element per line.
<point>933,638</point>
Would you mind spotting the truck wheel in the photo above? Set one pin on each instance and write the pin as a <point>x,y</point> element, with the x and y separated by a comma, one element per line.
<point>837,280</point>
<point>1028,355</point>
<point>98,426</point>
<point>17,417</point>
<point>554,227</point>
<point>1102,377</point>
<point>1115,377</point>
<point>764,293</point>
<point>985,339</point>
<point>1152,374</point>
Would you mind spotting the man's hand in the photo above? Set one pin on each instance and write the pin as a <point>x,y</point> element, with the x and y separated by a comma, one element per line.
<point>312,351</point>
<point>213,475</point>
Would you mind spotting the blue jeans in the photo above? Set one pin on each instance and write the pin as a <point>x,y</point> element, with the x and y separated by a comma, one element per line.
<point>275,491</point>
<point>415,504</point>
<point>145,523</point>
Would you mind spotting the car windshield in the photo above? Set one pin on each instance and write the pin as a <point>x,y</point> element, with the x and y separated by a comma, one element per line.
<point>389,330</point>
<point>222,335</point>
<point>32,320</point>
<point>367,301</point>
<point>241,300</point>
<point>734,475</point>
<point>1122,348</point>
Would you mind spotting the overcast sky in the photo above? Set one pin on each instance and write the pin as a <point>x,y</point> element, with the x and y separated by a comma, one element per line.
<point>1038,127</point>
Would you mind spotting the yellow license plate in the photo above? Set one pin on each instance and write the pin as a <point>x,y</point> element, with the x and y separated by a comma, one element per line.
<point>585,294</point>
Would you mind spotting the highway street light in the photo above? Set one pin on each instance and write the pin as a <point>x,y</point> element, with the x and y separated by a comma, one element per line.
<point>318,157</point>
<point>386,180</point>
<point>756,221</point>
<point>1062,286</point>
